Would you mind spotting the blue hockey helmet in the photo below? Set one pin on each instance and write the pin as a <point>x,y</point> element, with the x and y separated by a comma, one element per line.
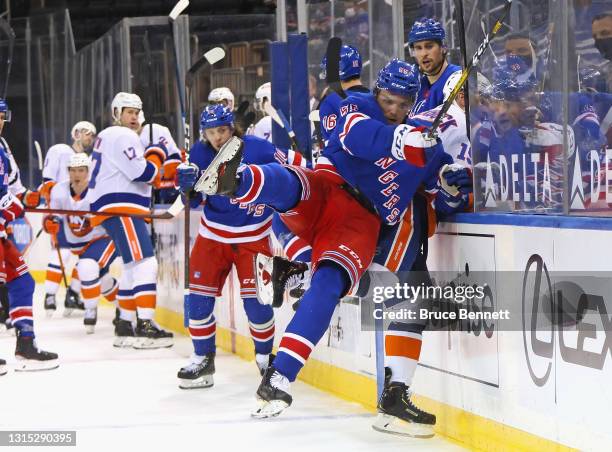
<point>426,29</point>
<point>398,77</point>
<point>5,109</point>
<point>216,115</point>
<point>350,63</point>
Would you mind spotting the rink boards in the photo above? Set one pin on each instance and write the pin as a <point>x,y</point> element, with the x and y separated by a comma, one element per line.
<point>489,384</point>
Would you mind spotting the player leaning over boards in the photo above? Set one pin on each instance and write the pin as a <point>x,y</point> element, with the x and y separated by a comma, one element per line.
<point>122,175</point>
<point>95,250</point>
<point>339,223</point>
<point>14,272</point>
<point>55,170</point>
<point>230,233</point>
<point>427,41</point>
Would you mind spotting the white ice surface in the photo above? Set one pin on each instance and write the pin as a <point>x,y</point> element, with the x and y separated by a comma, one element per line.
<point>122,399</point>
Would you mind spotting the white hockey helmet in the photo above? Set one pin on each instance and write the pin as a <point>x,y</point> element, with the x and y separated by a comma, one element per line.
<point>263,92</point>
<point>221,94</point>
<point>78,160</point>
<point>450,84</point>
<point>81,126</point>
<point>124,100</point>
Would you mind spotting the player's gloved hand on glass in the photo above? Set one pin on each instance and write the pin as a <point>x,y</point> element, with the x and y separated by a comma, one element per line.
<point>456,178</point>
<point>186,176</point>
<point>51,224</point>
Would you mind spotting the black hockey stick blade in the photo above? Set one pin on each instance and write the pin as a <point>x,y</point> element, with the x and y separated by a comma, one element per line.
<point>467,70</point>
<point>332,66</point>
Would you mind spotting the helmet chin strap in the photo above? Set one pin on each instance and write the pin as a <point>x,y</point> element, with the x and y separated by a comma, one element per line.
<point>433,74</point>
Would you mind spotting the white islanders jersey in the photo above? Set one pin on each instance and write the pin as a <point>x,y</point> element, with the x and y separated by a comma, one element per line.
<point>77,234</point>
<point>161,135</point>
<point>121,176</point>
<point>263,128</point>
<point>56,163</point>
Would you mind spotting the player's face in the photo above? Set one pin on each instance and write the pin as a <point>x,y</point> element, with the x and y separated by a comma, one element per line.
<point>394,106</point>
<point>602,28</point>
<point>79,175</point>
<point>129,118</point>
<point>86,138</point>
<point>429,55</point>
<point>218,136</point>
<point>2,121</point>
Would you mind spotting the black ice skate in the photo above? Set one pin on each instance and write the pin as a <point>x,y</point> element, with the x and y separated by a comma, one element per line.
<point>31,358</point>
<point>3,319</point>
<point>197,374</point>
<point>220,176</point>
<point>72,302</point>
<point>263,362</point>
<point>50,306</point>
<point>272,395</point>
<point>149,335</point>
<point>275,275</point>
<point>397,413</point>
<point>90,320</point>
<point>117,316</point>
<point>124,334</point>
<point>3,369</point>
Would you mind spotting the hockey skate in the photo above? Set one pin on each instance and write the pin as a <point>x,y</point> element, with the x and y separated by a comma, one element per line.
<point>124,334</point>
<point>263,362</point>
<point>274,275</point>
<point>3,317</point>
<point>220,176</point>
<point>90,320</point>
<point>398,415</point>
<point>30,358</point>
<point>3,369</point>
<point>272,395</point>
<point>198,373</point>
<point>72,302</point>
<point>149,335</point>
<point>50,306</point>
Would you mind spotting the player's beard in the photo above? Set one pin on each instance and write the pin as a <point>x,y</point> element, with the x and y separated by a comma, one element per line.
<point>436,70</point>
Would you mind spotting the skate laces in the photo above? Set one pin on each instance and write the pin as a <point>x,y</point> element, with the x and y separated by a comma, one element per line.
<point>279,381</point>
<point>408,396</point>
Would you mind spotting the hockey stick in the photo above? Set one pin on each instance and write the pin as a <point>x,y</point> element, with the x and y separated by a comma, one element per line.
<point>332,66</point>
<point>279,117</point>
<point>466,71</point>
<point>147,49</point>
<point>38,155</point>
<point>211,57</point>
<point>176,11</point>
<point>169,214</point>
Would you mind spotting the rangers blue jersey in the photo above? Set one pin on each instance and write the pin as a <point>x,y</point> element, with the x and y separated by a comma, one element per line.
<point>329,110</point>
<point>226,220</point>
<point>364,152</point>
<point>430,96</point>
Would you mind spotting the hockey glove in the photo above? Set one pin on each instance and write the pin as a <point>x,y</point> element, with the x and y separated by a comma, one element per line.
<point>51,224</point>
<point>454,191</point>
<point>10,207</point>
<point>186,176</point>
<point>31,198</point>
<point>156,154</point>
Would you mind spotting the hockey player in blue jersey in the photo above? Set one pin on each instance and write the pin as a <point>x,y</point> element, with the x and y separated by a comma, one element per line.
<point>14,273</point>
<point>350,79</point>
<point>340,221</point>
<point>427,42</point>
<point>230,233</point>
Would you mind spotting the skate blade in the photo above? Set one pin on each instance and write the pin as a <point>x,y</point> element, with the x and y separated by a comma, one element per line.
<point>123,341</point>
<point>49,313</point>
<point>68,312</point>
<point>269,409</point>
<point>3,370</point>
<point>394,425</point>
<point>205,381</point>
<point>144,343</point>
<point>32,365</point>
<point>90,329</point>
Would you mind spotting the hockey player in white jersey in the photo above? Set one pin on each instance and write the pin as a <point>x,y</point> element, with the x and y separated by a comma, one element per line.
<point>263,128</point>
<point>55,170</point>
<point>121,180</point>
<point>92,245</point>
